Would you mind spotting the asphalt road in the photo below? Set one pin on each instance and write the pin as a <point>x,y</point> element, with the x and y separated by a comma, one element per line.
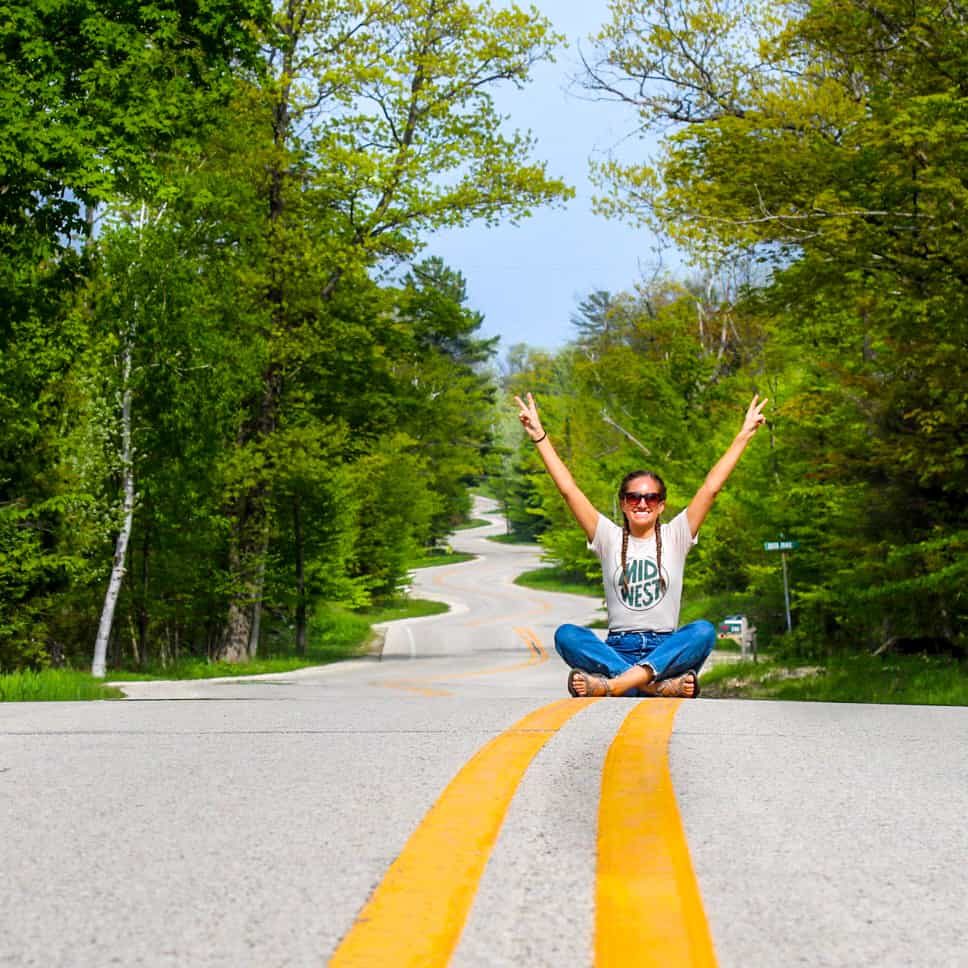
<point>340,815</point>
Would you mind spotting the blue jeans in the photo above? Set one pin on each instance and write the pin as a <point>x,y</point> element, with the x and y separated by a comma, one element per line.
<point>667,654</point>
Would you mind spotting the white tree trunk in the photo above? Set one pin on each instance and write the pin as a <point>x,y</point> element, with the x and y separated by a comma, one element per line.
<point>260,578</point>
<point>638,443</point>
<point>121,546</point>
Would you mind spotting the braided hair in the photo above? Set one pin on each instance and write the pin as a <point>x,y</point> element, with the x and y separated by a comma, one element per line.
<point>660,486</point>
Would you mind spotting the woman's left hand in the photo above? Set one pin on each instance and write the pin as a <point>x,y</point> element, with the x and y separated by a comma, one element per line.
<point>754,418</point>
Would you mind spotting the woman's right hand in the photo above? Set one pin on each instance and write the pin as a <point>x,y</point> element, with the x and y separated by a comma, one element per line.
<point>580,506</point>
<point>528,415</point>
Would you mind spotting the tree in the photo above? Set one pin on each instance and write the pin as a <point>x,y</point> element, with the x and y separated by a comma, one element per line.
<point>96,97</point>
<point>94,93</point>
<point>378,125</point>
<point>445,395</point>
<point>827,140</point>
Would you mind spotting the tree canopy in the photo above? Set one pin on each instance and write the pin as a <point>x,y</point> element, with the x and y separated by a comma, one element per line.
<point>822,142</point>
<point>222,347</point>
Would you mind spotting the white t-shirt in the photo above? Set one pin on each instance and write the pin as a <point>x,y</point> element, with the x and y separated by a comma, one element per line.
<point>643,606</point>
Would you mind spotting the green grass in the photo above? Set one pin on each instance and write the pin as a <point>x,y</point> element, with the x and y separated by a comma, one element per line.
<point>404,608</point>
<point>512,539</point>
<point>560,580</point>
<point>714,608</point>
<point>335,633</point>
<point>472,523</point>
<point>860,678</point>
<point>54,685</point>
<point>433,558</point>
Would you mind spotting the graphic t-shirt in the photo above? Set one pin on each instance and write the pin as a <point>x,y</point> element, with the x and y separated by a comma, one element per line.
<point>640,604</point>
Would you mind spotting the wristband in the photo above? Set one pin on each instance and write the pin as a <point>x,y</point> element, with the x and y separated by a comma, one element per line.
<point>537,440</point>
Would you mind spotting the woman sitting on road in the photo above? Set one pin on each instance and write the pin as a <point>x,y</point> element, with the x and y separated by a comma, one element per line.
<point>642,567</point>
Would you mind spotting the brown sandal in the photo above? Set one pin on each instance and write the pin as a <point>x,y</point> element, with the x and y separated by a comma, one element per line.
<point>588,679</point>
<point>675,688</point>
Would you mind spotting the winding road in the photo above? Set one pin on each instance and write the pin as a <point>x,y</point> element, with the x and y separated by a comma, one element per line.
<point>447,804</point>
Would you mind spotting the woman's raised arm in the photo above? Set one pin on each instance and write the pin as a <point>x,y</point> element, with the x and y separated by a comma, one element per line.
<point>583,510</point>
<point>699,506</point>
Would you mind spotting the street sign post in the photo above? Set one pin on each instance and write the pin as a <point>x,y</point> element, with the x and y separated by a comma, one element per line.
<point>780,545</point>
<point>783,547</point>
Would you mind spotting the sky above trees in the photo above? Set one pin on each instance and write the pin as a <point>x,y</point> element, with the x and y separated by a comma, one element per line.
<point>528,279</point>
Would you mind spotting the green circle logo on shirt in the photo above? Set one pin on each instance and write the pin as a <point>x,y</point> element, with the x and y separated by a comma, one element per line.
<point>642,590</point>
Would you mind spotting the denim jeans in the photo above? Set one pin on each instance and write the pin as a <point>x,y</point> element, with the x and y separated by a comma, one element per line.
<point>667,654</point>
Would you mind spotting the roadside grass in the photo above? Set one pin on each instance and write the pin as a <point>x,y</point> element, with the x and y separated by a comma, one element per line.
<point>511,539</point>
<point>712,607</point>
<point>335,633</point>
<point>432,557</point>
<point>401,608</point>
<point>472,523</point>
<point>861,678</point>
<point>560,580</point>
<point>54,685</point>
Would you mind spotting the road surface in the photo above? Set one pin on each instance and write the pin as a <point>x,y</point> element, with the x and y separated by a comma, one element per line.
<point>446,805</point>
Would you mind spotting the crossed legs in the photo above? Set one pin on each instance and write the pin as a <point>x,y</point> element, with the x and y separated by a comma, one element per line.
<point>661,665</point>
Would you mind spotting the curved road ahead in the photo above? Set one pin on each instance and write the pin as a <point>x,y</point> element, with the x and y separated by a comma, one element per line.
<point>444,804</point>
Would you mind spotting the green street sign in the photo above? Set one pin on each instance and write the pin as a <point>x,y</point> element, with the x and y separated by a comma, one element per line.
<point>780,545</point>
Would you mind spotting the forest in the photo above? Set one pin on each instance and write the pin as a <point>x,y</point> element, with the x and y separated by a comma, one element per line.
<point>232,387</point>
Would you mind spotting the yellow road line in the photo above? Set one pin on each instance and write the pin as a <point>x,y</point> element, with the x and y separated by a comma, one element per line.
<point>648,910</point>
<point>532,639</point>
<point>534,644</point>
<point>416,914</point>
<point>529,638</point>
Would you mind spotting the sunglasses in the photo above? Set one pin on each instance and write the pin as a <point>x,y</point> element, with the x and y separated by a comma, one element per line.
<point>635,497</point>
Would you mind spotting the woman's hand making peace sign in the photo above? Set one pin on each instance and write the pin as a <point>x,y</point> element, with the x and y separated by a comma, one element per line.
<point>754,418</point>
<point>529,418</point>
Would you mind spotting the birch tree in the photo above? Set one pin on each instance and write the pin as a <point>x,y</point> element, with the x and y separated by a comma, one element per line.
<point>128,304</point>
<point>94,94</point>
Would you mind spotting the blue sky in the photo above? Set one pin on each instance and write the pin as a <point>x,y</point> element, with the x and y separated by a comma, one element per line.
<point>528,279</point>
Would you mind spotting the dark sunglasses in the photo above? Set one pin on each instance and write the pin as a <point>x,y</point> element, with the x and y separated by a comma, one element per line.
<point>635,497</point>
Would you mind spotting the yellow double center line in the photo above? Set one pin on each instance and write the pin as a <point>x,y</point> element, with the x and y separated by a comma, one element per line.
<point>648,907</point>
<point>534,643</point>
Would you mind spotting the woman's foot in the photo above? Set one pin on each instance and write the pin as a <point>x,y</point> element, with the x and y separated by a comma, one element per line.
<point>685,686</point>
<point>581,684</point>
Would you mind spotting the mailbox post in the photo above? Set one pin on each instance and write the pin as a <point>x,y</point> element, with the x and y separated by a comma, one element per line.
<point>783,547</point>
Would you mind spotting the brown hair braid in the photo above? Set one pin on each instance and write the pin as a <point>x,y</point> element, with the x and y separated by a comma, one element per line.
<point>625,549</point>
<point>625,526</point>
<point>658,554</point>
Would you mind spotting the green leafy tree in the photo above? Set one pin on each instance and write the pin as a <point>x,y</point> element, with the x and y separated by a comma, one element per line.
<point>827,139</point>
<point>95,98</point>
<point>442,389</point>
<point>376,125</point>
